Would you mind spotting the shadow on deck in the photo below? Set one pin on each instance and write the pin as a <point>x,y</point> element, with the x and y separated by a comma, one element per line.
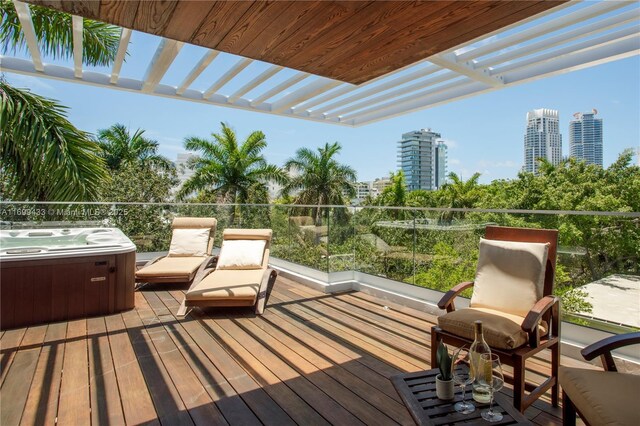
<point>310,359</point>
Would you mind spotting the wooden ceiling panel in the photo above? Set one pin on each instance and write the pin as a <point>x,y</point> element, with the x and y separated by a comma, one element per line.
<point>116,12</point>
<point>218,22</point>
<point>352,41</point>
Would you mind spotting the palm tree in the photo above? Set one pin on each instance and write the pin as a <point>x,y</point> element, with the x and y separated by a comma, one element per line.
<point>229,171</point>
<point>120,148</point>
<point>320,179</point>
<point>456,193</point>
<point>43,156</point>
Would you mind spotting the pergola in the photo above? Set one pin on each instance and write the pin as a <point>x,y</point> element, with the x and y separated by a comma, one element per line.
<point>348,63</point>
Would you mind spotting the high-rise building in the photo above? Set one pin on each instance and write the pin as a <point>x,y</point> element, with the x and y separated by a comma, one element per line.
<point>585,137</point>
<point>417,159</point>
<point>441,164</point>
<point>542,139</point>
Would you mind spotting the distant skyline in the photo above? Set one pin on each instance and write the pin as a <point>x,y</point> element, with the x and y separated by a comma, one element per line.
<point>483,133</point>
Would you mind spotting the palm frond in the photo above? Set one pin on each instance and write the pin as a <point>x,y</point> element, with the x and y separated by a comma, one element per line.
<point>55,35</point>
<point>43,154</point>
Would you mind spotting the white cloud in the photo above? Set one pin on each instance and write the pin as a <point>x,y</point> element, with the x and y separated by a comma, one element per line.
<point>454,162</point>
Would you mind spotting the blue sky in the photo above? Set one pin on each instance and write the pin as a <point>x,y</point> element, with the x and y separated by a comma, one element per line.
<point>484,133</point>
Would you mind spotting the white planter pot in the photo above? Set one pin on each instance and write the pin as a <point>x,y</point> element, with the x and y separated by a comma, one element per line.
<point>444,389</point>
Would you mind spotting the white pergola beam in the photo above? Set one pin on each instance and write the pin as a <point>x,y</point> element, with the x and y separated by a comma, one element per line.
<point>463,90</point>
<point>543,29</point>
<point>445,88</point>
<point>450,61</point>
<point>202,65</point>
<point>162,60</point>
<point>346,88</point>
<point>77,27</point>
<point>24,15</point>
<point>566,37</point>
<point>576,47</point>
<point>264,76</point>
<point>309,91</point>
<point>619,49</point>
<point>233,71</point>
<point>412,88</point>
<point>125,36</point>
<point>296,78</point>
<point>379,88</point>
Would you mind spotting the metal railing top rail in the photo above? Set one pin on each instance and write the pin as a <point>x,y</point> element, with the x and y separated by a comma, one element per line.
<point>434,209</point>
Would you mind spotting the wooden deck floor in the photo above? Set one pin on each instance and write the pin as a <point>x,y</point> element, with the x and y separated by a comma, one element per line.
<point>311,359</point>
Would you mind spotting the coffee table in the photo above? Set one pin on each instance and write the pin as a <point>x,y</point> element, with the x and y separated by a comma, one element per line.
<point>418,391</point>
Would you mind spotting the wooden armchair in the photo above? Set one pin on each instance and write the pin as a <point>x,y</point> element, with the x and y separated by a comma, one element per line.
<point>513,296</point>
<point>601,397</point>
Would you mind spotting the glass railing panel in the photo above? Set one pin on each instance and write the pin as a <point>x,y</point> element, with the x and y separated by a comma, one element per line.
<point>385,242</point>
<point>598,263</point>
<point>341,239</point>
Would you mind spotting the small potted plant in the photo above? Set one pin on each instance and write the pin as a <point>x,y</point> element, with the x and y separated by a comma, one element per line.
<point>444,380</point>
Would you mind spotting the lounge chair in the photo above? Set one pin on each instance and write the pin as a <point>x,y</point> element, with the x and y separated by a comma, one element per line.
<point>190,250</point>
<point>241,276</point>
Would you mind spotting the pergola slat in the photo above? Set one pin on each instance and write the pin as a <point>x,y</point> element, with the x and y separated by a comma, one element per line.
<point>77,24</point>
<point>125,36</point>
<point>162,60</point>
<point>24,15</point>
<point>273,70</point>
<point>202,65</point>
<point>233,71</point>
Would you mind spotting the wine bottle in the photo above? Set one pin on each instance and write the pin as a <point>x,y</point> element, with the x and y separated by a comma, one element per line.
<point>480,393</point>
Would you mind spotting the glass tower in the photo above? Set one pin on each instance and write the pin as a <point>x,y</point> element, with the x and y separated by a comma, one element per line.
<point>441,164</point>
<point>585,138</point>
<point>417,159</point>
<point>542,139</point>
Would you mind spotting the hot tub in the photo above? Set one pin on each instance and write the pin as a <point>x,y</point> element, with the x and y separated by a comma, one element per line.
<point>51,275</point>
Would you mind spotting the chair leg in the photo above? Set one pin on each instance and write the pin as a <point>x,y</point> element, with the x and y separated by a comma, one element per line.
<point>434,346</point>
<point>182,311</point>
<point>568,411</point>
<point>518,383</point>
<point>555,363</point>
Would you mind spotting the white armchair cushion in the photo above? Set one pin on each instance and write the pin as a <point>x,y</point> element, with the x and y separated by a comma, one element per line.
<point>510,276</point>
<point>241,254</point>
<point>189,242</point>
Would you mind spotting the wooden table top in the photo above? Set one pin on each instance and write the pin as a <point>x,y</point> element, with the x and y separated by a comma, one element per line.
<point>418,391</point>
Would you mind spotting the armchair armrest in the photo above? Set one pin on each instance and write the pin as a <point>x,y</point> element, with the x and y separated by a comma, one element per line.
<point>447,300</point>
<point>532,320</point>
<point>604,347</point>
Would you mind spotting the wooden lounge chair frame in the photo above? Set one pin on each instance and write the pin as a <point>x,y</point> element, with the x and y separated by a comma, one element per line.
<point>183,223</point>
<point>264,291</point>
<point>547,309</point>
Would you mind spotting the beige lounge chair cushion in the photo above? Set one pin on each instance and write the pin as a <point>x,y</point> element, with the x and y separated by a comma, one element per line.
<point>602,397</point>
<point>197,222</point>
<point>180,267</point>
<point>228,285</point>
<point>509,276</point>
<point>189,242</point>
<point>241,254</point>
<point>247,234</point>
<point>501,330</point>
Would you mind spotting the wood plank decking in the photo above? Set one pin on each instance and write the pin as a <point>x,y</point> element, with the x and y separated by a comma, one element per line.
<point>311,359</point>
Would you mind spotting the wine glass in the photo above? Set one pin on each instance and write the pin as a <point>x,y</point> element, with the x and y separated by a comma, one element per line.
<point>490,376</point>
<point>462,376</point>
